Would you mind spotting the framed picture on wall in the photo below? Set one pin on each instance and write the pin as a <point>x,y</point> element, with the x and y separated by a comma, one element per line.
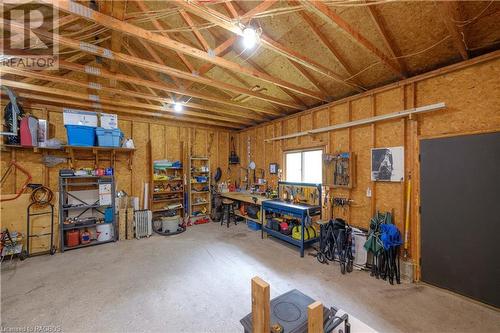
<point>273,168</point>
<point>388,164</point>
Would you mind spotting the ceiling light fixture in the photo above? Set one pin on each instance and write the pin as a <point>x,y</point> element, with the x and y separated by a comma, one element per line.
<point>249,38</point>
<point>177,107</point>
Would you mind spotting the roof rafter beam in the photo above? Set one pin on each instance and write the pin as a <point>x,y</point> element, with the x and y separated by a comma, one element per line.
<point>132,30</point>
<point>389,44</point>
<point>149,65</point>
<point>117,10</point>
<point>160,86</point>
<point>450,13</point>
<point>328,44</point>
<point>65,101</point>
<point>226,23</point>
<point>197,34</point>
<point>160,26</point>
<point>121,103</point>
<point>328,15</point>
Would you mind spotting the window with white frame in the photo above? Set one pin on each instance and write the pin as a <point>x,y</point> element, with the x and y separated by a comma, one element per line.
<point>304,166</point>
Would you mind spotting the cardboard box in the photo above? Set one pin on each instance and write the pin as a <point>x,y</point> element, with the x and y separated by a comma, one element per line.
<point>79,117</point>
<point>109,121</point>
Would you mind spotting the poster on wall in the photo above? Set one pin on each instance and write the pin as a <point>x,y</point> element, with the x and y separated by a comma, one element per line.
<point>388,164</point>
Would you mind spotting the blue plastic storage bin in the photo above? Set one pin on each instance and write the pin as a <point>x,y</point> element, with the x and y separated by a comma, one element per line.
<point>79,135</point>
<point>109,137</point>
<point>252,225</point>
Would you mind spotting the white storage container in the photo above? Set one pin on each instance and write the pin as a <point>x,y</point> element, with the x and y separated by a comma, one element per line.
<point>79,117</point>
<point>104,232</point>
<point>109,121</point>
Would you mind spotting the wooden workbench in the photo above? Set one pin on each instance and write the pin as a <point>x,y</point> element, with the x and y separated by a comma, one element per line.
<point>246,198</point>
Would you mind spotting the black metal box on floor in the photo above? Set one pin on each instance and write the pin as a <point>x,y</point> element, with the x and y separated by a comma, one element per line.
<point>290,312</point>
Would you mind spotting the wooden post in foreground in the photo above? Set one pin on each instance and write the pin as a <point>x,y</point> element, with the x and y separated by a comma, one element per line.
<point>315,317</point>
<point>260,306</point>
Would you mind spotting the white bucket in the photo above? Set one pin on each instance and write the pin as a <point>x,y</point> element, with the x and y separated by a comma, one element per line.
<point>104,232</point>
<point>170,224</point>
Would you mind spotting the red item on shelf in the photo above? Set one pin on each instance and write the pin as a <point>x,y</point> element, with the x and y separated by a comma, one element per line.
<point>72,238</point>
<point>202,221</point>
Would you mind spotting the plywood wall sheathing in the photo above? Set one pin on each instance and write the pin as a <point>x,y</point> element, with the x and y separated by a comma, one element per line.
<point>473,106</point>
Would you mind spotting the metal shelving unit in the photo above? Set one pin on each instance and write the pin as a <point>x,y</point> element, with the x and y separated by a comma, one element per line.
<point>195,188</point>
<point>90,182</point>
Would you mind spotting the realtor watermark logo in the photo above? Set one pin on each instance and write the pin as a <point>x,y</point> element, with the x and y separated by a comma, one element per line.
<point>27,35</point>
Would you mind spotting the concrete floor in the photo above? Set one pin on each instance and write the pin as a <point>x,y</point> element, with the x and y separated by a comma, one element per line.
<point>199,281</point>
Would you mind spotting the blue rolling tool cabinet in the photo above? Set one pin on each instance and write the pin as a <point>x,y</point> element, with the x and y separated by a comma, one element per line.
<point>302,211</point>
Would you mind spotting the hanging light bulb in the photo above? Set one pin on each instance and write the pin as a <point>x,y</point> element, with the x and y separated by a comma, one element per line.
<point>249,38</point>
<point>177,107</point>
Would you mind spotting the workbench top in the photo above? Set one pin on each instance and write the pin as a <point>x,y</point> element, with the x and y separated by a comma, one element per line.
<point>244,197</point>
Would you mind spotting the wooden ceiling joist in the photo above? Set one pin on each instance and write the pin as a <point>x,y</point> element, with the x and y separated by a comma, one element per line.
<point>65,102</point>
<point>117,10</point>
<point>149,65</point>
<point>226,23</point>
<point>160,86</point>
<point>327,14</point>
<point>224,47</point>
<point>127,93</point>
<point>199,37</point>
<point>132,30</point>
<point>162,26</point>
<point>115,103</point>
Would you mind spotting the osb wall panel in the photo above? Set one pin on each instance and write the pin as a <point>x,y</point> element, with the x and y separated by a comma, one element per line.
<point>473,105</point>
<point>166,141</point>
<point>14,215</point>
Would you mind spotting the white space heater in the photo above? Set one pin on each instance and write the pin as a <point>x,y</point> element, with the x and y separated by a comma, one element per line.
<point>143,223</point>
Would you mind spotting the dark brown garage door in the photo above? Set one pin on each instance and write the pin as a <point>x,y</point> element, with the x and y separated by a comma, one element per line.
<point>460,215</point>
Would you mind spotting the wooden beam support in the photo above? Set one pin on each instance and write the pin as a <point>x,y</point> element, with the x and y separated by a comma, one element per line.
<point>308,76</point>
<point>328,44</point>
<point>160,86</point>
<point>65,102</point>
<point>161,26</point>
<point>391,47</point>
<point>315,317</point>
<point>226,23</point>
<point>117,10</point>
<point>199,37</point>
<point>127,93</point>
<point>327,14</point>
<point>132,30</point>
<point>261,318</point>
<point>149,65</point>
<point>110,102</point>
<point>450,13</point>
<point>295,98</point>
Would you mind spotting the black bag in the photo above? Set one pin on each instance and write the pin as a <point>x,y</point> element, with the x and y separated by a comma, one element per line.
<point>253,211</point>
<point>273,225</point>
